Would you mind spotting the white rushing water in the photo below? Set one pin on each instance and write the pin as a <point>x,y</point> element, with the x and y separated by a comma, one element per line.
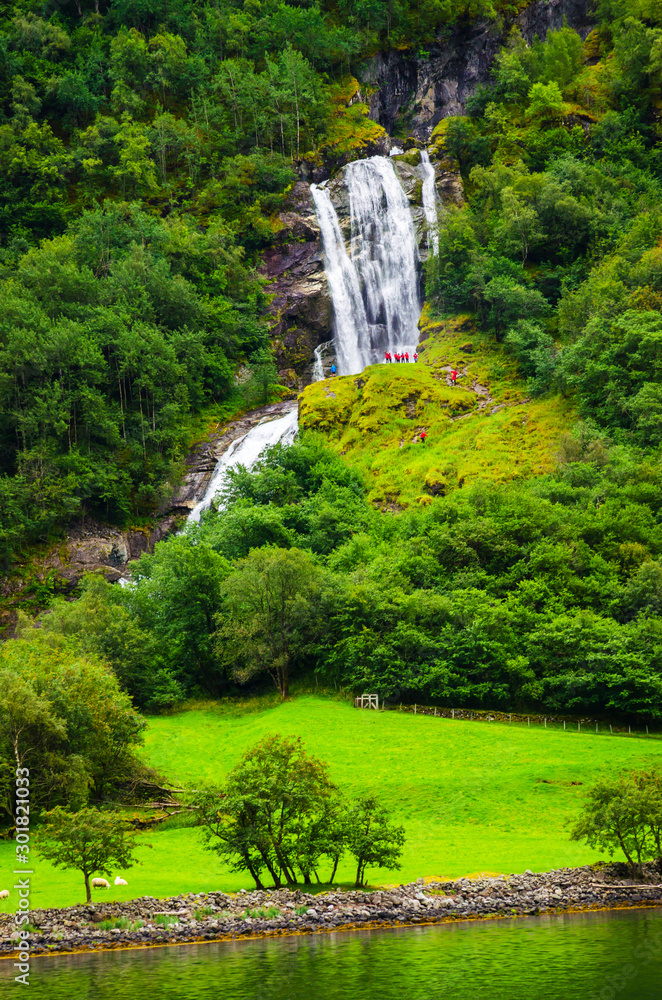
<point>246,450</point>
<point>375,288</point>
<point>318,367</point>
<point>429,197</point>
<point>351,324</point>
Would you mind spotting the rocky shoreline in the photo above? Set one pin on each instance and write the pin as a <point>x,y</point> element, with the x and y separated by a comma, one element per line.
<point>218,916</point>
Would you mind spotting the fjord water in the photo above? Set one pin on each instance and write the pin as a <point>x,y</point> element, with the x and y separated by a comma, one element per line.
<point>375,287</point>
<point>597,956</point>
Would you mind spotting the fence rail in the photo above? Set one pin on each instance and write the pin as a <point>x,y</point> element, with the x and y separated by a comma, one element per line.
<point>558,722</point>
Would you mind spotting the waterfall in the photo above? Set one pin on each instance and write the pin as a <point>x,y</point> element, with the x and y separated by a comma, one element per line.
<point>429,196</point>
<point>375,288</point>
<point>318,367</point>
<point>351,324</point>
<point>246,451</point>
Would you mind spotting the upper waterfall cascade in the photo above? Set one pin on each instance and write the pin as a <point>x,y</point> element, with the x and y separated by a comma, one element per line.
<point>375,288</point>
<point>429,198</point>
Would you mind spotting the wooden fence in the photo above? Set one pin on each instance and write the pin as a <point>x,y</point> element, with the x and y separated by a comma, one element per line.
<point>367,701</point>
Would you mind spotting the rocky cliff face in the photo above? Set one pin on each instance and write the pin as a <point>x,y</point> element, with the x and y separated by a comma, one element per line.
<point>407,90</point>
<point>301,310</point>
<point>416,91</point>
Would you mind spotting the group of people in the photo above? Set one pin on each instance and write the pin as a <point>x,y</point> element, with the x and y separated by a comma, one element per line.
<point>399,358</point>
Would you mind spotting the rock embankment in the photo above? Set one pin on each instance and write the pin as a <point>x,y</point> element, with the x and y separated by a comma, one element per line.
<point>214,916</point>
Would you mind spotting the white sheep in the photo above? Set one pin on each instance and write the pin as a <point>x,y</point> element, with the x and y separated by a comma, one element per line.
<point>120,881</point>
<point>100,883</point>
<point>4,893</point>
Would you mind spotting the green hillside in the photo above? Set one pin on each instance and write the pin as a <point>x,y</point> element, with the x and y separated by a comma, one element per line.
<point>150,159</point>
<point>472,796</point>
<point>487,427</point>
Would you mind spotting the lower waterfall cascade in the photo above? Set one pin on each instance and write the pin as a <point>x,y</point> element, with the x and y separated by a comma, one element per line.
<point>246,451</point>
<point>375,287</point>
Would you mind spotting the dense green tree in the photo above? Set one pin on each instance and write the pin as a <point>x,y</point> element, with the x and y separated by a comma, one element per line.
<point>89,841</point>
<point>63,715</point>
<point>278,813</point>
<point>624,815</point>
<point>372,840</point>
<point>271,814</point>
<point>269,613</point>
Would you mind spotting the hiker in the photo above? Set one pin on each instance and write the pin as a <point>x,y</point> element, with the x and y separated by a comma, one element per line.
<point>453,376</point>
<point>333,369</point>
<point>385,357</point>
<point>415,357</point>
<point>407,357</point>
<point>422,436</point>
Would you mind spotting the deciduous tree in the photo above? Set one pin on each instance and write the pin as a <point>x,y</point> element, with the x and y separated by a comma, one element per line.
<point>90,841</point>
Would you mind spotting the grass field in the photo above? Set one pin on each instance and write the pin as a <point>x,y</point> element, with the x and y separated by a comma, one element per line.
<point>473,796</point>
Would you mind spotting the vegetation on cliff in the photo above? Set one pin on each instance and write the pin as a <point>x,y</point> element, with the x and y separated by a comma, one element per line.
<point>144,150</point>
<point>525,565</point>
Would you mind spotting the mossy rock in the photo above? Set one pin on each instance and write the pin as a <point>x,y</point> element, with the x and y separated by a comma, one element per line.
<point>410,156</point>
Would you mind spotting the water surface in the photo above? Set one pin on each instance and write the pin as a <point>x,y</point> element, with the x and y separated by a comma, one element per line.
<point>598,956</point>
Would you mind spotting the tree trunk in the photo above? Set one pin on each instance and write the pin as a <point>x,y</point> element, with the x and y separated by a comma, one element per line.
<point>335,868</point>
<point>87,887</point>
<point>254,875</point>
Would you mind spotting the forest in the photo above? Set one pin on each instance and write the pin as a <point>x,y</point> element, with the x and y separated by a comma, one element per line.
<point>145,151</point>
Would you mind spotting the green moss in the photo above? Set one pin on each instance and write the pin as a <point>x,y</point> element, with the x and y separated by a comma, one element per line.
<point>412,157</point>
<point>484,428</point>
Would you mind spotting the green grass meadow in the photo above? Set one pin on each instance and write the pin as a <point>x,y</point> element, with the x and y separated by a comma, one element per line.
<point>473,796</point>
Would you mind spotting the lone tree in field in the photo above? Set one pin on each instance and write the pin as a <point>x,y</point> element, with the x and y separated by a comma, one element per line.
<point>269,605</point>
<point>279,815</point>
<point>90,841</point>
<point>625,814</point>
<point>371,839</point>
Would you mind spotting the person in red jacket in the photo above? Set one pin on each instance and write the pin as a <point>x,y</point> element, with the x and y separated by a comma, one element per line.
<point>422,436</point>
<point>453,376</point>
<point>415,357</point>
<point>407,357</point>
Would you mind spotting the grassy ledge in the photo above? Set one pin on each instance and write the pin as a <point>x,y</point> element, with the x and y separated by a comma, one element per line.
<point>485,427</point>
